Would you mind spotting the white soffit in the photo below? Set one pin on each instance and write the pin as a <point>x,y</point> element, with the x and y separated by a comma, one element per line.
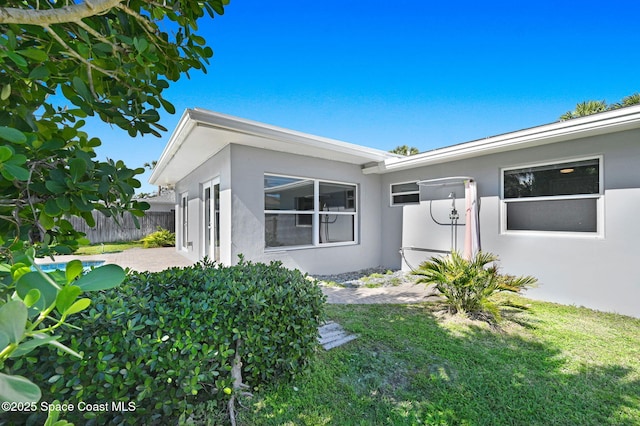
<point>200,134</point>
<point>597,124</point>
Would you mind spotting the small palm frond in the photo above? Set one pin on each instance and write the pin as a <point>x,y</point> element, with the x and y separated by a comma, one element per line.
<point>633,99</point>
<point>467,285</point>
<point>567,116</point>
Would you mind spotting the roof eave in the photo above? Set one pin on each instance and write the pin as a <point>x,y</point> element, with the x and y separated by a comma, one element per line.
<point>255,128</point>
<point>609,122</point>
<point>184,127</point>
<point>193,118</point>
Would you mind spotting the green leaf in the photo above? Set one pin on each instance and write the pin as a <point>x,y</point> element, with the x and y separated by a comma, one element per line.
<point>51,208</point>
<point>73,270</point>
<point>4,340</point>
<point>6,92</point>
<point>64,348</point>
<point>11,171</point>
<point>19,60</point>
<point>141,44</point>
<point>38,339</point>
<point>81,88</point>
<point>63,203</point>
<point>19,270</point>
<point>88,217</point>
<point>18,389</point>
<point>46,221</point>
<point>168,106</point>
<point>32,297</point>
<point>66,297</point>
<point>12,135</point>
<point>102,278</point>
<point>39,73</point>
<point>77,168</point>
<point>5,153</point>
<point>13,320</point>
<point>36,280</point>
<point>35,54</point>
<point>79,305</point>
<point>55,186</point>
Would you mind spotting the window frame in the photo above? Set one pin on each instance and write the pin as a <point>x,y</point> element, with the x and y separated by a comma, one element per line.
<point>184,221</point>
<point>504,202</point>
<point>316,212</point>
<point>392,203</point>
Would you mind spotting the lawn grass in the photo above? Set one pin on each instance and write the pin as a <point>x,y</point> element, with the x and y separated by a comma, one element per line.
<point>107,248</point>
<point>552,365</point>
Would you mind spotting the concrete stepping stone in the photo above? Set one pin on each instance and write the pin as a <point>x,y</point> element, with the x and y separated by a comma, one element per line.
<point>333,335</point>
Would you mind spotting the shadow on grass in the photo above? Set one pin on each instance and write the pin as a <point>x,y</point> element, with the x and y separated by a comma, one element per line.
<point>408,367</point>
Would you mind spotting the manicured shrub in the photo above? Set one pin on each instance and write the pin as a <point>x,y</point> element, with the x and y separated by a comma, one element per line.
<point>468,284</point>
<point>167,341</point>
<point>160,238</point>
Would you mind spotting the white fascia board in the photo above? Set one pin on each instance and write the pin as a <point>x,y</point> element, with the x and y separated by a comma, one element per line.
<point>184,127</point>
<point>596,124</point>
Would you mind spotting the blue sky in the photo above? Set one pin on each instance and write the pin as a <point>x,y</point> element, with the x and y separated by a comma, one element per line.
<point>421,73</point>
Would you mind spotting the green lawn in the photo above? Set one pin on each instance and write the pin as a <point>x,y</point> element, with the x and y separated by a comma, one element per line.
<point>552,365</point>
<point>107,248</point>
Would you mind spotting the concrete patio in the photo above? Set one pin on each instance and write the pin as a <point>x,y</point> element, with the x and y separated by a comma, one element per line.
<point>137,259</point>
<point>158,259</point>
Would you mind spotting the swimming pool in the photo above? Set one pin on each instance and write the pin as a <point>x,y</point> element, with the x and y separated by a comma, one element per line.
<point>60,266</point>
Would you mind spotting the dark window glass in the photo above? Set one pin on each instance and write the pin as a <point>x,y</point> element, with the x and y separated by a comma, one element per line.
<point>337,197</point>
<point>284,230</point>
<point>406,199</point>
<point>405,193</point>
<point>283,193</point>
<point>336,228</point>
<point>578,177</point>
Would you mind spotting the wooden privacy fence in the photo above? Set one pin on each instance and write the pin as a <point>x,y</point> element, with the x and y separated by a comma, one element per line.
<point>108,231</point>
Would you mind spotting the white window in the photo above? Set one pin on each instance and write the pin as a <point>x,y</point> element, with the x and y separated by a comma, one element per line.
<point>301,212</point>
<point>404,193</point>
<point>184,220</point>
<point>554,197</point>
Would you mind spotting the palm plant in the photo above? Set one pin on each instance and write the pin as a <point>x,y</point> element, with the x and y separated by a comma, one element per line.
<point>405,150</point>
<point>585,108</point>
<point>467,285</point>
<point>633,99</point>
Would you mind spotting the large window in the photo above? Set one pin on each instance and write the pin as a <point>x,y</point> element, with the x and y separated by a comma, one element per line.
<point>303,212</point>
<point>405,193</point>
<point>556,197</point>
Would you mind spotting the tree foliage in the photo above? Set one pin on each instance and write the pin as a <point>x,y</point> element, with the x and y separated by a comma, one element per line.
<point>405,150</point>
<point>61,62</point>
<point>592,107</point>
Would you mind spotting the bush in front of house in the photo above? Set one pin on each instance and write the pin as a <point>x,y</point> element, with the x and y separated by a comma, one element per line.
<point>468,284</point>
<point>164,342</point>
<point>160,238</point>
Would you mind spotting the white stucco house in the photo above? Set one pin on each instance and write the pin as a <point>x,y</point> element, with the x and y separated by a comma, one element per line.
<point>560,202</point>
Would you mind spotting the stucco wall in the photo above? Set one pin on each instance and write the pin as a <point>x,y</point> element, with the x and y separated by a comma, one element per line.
<point>594,271</point>
<point>248,166</point>
<point>216,166</point>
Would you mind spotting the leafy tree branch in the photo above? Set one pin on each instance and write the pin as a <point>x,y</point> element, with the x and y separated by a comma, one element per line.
<point>43,17</point>
<point>61,62</point>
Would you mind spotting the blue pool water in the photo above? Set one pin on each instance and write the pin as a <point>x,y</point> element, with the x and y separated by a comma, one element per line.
<point>60,266</point>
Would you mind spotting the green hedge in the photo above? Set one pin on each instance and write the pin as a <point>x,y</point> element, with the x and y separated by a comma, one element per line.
<point>166,341</point>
